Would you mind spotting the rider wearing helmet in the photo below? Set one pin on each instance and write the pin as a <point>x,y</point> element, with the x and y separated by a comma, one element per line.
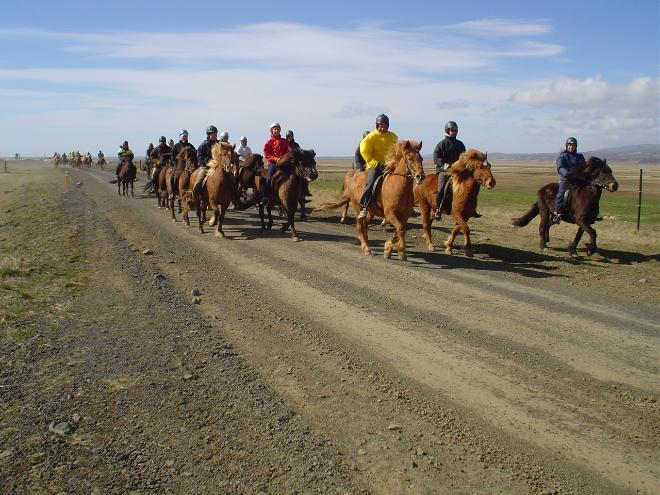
<point>178,148</point>
<point>568,160</point>
<point>291,139</point>
<point>224,137</point>
<point>243,150</point>
<point>162,154</point>
<point>445,153</point>
<point>374,148</point>
<point>124,151</point>
<point>204,155</point>
<point>274,148</point>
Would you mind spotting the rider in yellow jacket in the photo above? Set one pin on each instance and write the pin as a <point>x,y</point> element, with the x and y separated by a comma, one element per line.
<point>374,148</point>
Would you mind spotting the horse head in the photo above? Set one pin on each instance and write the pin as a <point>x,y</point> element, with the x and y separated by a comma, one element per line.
<point>186,158</point>
<point>226,157</point>
<point>306,164</point>
<point>405,159</point>
<point>484,174</point>
<point>473,164</point>
<point>600,174</point>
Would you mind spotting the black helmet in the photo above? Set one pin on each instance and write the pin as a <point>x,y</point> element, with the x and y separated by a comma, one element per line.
<point>162,139</point>
<point>571,140</point>
<point>382,119</point>
<point>125,144</point>
<point>289,133</point>
<point>451,125</point>
<point>211,129</point>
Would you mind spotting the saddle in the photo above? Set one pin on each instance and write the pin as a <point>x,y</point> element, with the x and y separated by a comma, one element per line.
<point>568,199</point>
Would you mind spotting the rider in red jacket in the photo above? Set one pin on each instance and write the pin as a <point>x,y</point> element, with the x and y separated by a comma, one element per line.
<point>274,149</point>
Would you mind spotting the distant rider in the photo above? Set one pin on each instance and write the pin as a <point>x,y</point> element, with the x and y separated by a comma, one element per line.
<point>178,148</point>
<point>124,151</point>
<point>204,155</point>
<point>274,148</point>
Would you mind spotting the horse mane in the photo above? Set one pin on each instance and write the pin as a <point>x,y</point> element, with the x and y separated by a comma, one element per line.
<point>468,161</point>
<point>396,153</point>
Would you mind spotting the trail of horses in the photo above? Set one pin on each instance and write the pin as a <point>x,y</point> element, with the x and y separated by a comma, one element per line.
<point>440,374</point>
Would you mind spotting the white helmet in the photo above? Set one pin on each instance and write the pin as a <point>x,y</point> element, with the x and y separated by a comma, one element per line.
<point>243,138</point>
<point>275,124</point>
<point>224,135</point>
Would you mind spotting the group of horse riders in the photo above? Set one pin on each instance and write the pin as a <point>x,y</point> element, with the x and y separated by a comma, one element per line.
<point>373,148</point>
<point>164,154</point>
<point>369,155</point>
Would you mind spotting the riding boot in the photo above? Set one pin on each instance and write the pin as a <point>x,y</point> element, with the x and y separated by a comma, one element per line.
<point>439,199</point>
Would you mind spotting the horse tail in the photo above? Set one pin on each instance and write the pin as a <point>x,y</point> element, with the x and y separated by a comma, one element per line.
<point>343,201</point>
<point>527,217</point>
<point>148,185</point>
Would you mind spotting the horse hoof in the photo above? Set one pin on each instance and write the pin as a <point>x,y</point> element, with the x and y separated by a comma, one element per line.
<point>295,239</point>
<point>469,253</point>
<point>431,248</point>
<point>404,256</point>
<point>387,255</point>
<point>448,251</point>
<point>342,220</point>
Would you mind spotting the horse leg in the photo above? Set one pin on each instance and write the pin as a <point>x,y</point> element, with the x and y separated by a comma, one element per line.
<point>591,246</point>
<point>468,243</point>
<point>261,217</point>
<point>198,209</point>
<point>302,209</point>
<point>544,231</point>
<point>171,202</point>
<point>132,192</point>
<point>362,227</point>
<point>572,247</point>
<point>449,243</point>
<point>119,187</point>
<point>343,216</point>
<point>221,218</point>
<point>427,219</point>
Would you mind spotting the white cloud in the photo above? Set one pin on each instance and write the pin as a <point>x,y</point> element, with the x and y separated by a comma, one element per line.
<point>502,27</point>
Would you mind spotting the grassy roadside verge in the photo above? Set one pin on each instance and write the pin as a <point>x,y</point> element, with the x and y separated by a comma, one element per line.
<point>40,268</point>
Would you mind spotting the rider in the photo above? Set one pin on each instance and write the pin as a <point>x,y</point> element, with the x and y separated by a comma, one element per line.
<point>178,148</point>
<point>204,155</point>
<point>568,160</point>
<point>170,143</point>
<point>274,149</point>
<point>293,145</point>
<point>243,150</point>
<point>224,137</point>
<point>446,152</point>
<point>124,151</point>
<point>149,150</point>
<point>374,147</point>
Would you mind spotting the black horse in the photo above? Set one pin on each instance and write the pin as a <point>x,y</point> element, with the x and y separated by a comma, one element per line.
<point>127,174</point>
<point>286,188</point>
<point>580,201</point>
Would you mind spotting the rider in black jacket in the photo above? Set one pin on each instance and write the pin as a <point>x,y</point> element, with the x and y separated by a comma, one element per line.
<point>446,152</point>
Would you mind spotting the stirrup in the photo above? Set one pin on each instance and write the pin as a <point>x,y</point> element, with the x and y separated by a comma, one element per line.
<point>438,214</point>
<point>362,214</point>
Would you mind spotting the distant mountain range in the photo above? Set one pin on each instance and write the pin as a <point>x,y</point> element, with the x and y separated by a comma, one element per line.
<point>638,153</point>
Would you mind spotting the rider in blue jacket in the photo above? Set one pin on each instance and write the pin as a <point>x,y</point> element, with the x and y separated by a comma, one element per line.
<point>568,160</point>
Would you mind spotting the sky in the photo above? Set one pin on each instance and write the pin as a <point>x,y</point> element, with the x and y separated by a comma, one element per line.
<point>517,76</point>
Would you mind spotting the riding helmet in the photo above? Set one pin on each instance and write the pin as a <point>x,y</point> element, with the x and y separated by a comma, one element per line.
<point>162,139</point>
<point>289,133</point>
<point>451,125</point>
<point>211,129</point>
<point>183,132</point>
<point>571,140</point>
<point>382,119</point>
<point>275,124</point>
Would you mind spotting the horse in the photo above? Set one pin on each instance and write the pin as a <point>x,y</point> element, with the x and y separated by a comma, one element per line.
<point>127,173</point>
<point>156,180</point>
<point>219,189</point>
<point>286,187</point>
<point>183,166</point>
<point>252,166</point>
<point>468,174</point>
<point>581,203</point>
<point>86,161</point>
<point>101,161</point>
<point>394,200</point>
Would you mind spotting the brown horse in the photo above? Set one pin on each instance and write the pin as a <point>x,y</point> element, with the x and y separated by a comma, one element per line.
<point>101,161</point>
<point>286,187</point>
<point>468,174</point>
<point>183,166</point>
<point>583,197</point>
<point>127,173</point>
<point>220,186</point>
<point>394,200</point>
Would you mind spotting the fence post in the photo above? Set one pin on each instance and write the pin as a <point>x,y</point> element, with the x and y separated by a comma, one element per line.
<point>5,166</point>
<point>639,200</point>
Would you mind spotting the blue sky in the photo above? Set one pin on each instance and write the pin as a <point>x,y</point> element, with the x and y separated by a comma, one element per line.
<point>516,76</point>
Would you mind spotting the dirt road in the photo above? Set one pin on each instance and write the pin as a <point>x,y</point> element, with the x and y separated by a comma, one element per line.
<point>308,367</point>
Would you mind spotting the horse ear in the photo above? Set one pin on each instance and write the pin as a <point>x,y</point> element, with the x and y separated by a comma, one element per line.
<point>312,152</point>
<point>419,146</point>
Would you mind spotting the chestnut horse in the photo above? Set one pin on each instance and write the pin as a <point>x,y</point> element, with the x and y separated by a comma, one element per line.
<point>394,201</point>
<point>286,188</point>
<point>184,167</point>
<point>252,166</point>
<point>468,174</point>
<point>585,190</point>
<point>127,173</point>
<point>220,186</point>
